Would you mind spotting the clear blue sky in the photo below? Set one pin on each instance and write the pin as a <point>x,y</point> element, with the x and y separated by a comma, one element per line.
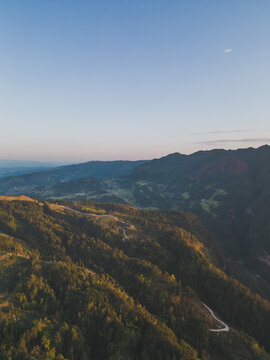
<point>111,79</point>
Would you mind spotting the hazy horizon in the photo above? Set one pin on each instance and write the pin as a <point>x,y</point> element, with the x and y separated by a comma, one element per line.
<point>132,80</point>
<point>60,163</point>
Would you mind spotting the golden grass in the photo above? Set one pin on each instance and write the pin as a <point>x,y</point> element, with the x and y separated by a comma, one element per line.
<point>19,197</point>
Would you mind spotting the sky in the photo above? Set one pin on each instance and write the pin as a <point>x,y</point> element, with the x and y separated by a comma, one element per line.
<point>120,79</point>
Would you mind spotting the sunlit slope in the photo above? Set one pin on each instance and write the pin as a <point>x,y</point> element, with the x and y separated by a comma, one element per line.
<point>228,189</point>
<point>84,289</point>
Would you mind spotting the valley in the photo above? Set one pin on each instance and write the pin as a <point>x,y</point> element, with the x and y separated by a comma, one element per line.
<point>228,190</point>
<point>169,237</point>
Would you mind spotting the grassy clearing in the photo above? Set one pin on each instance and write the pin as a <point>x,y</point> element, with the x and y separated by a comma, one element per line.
<point>219,192</point>
<point>105,220</point>
<point>209,204</point>
<point>126,195</point>
<point>185,195</point>
<point>93,210</point>
<point>64,197</point>
<point>141,183</point>
<point>20,197</point>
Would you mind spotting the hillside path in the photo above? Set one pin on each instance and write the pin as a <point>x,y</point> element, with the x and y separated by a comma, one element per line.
<point>225,326</point>
<point>96,215</point>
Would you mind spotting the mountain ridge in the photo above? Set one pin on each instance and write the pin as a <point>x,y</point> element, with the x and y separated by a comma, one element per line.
<point>228,189</point>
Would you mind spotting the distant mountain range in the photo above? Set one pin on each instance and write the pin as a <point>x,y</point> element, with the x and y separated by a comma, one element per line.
<point>94,169</point>
<point>27,164</point>
<point>228,189</point>
<point>17,167</point>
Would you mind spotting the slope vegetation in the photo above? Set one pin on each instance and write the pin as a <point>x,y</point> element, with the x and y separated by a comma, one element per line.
<point>74,287</point>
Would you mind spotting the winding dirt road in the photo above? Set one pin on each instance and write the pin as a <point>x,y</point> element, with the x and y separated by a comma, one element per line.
<point>96,215</point>
<point>225,326</point>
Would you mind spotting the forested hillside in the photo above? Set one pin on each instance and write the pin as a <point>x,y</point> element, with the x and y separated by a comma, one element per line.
<point>228,189</point>
<point>87,280</point>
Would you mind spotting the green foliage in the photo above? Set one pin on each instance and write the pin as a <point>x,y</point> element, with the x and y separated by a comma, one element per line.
<point>81,292</point>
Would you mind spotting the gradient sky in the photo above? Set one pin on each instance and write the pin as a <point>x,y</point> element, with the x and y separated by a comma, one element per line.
<point>122,79</point>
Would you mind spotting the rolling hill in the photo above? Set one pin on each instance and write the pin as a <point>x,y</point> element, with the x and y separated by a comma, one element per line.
<point>94,169</point>
<point>86,280</point>
<point>228,189</point>
<point>17,167</point>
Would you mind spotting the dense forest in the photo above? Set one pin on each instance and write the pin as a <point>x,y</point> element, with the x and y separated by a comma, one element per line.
<point>106,281</point>
<point>88,280</point>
